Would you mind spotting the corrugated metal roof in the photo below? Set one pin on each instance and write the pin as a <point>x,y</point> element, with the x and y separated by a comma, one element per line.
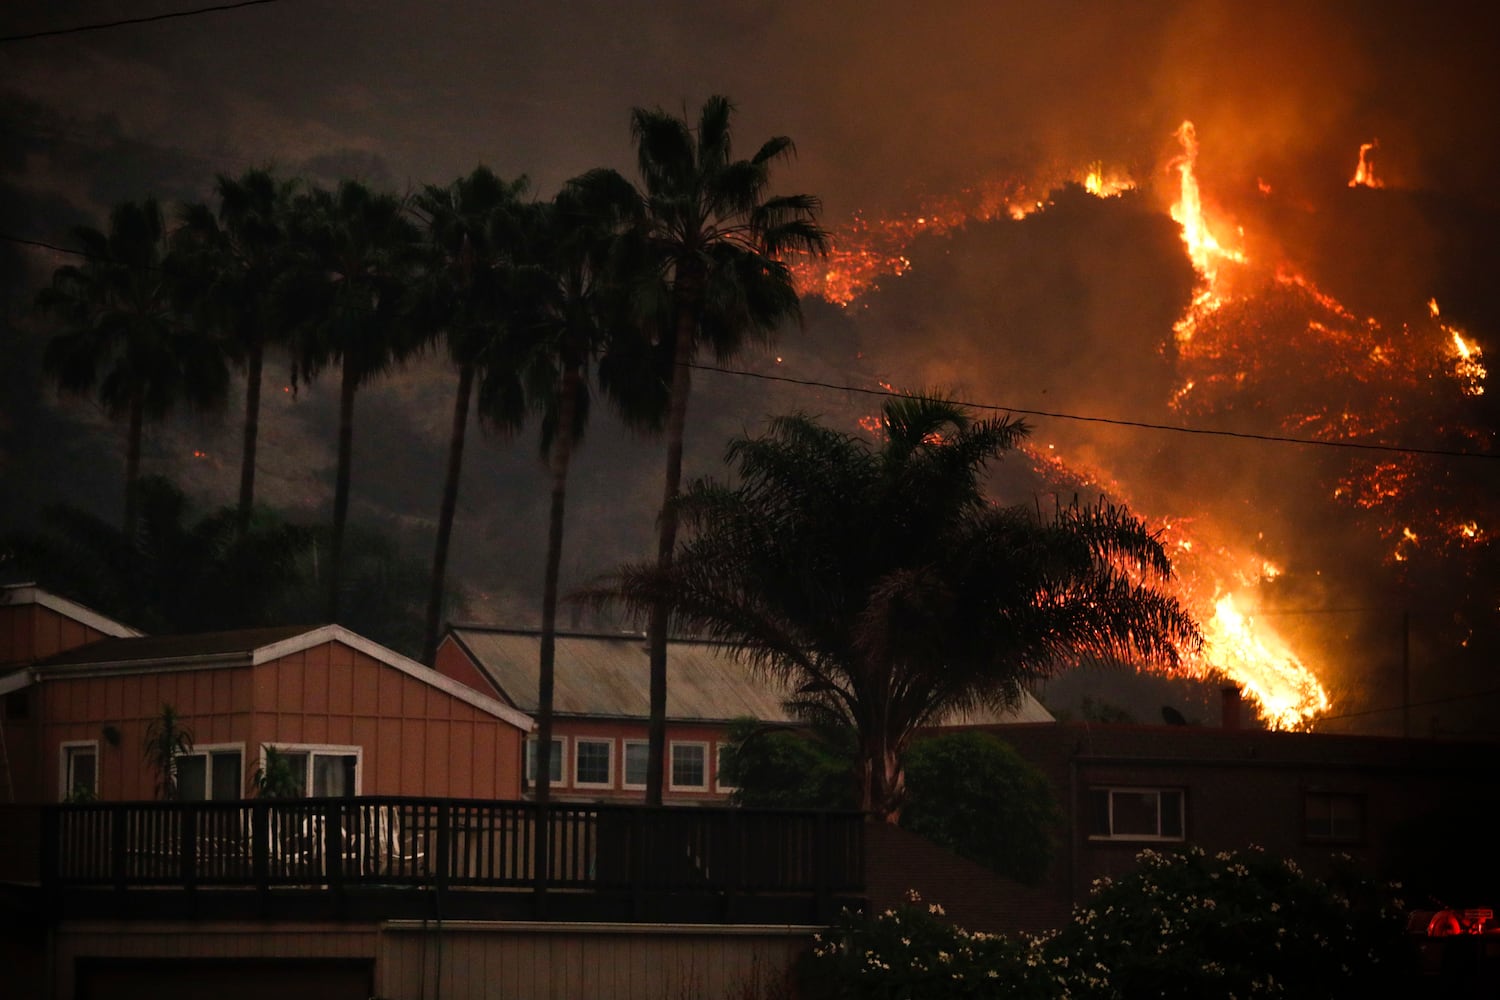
<point>175,647</point>
<point>609,676</point>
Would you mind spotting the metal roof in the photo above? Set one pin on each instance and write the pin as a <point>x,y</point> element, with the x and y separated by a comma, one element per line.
<point>607,676</point>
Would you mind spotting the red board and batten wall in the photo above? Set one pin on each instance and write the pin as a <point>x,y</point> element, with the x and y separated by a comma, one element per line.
<point>417,733</point>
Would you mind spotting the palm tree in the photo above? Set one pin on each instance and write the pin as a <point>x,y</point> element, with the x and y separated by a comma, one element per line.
<point>585,315</point>
<point>356,249</point>
<point>885,589</point>
<point>237,259</point>
<point>120,335</point>
<point>473,294</point>
<point>717,241</point>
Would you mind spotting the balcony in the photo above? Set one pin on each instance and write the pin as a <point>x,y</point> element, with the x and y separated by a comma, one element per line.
<point>379,858</point>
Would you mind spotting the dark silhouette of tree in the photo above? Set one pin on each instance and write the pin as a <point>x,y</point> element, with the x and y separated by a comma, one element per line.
<point>120,335</point>
<point>176,572</point>
<point>474,291</point>
<point>585,317</point>
<point>235,261</point>
<point>883,587</point>
<point>356,250</point>
<point>717,241</point>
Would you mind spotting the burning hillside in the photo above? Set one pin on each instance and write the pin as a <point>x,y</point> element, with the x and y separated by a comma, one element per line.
<point>1014,289</point>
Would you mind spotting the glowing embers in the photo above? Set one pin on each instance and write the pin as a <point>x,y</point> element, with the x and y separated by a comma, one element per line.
<point>1468,361</point>
<point>864,251</point>
<point>1364,171</point>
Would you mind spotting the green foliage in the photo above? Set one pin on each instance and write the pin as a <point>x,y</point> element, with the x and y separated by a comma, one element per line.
<point>779,768</point>
<point>276,778</point>
<point>972,793</point>
<point>167,740</point>
<point>1189,925</point>
<point>1183,926</point>
<point>913,951</point>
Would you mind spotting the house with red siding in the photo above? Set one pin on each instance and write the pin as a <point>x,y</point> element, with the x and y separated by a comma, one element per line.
<point>350,716</point>
<point>601,707</point>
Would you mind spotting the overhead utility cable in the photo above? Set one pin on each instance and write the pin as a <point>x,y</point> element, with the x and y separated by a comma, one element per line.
<point>102,25</point>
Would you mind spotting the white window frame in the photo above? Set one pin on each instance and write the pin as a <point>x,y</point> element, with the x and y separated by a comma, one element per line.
<point>315,750</point>
<point>719,785</point>
<point>1112,790</point>
<point>609,768</point>
<point>65,759</point>
<point>625,781</point>
<point>703,746</point>
<point>528,762</point>
<point>207,750</point>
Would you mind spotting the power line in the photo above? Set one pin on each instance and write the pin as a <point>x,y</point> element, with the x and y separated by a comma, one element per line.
<point>102,25</point>
<point>1490,693</point>
<point>991,407</point>
<point>1138,424</point>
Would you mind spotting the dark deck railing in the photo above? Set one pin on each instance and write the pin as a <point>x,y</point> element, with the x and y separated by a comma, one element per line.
<point>391,857</point>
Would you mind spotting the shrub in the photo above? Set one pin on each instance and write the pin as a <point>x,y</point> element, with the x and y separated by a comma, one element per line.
<point>1183,926</point>
<point>1189,925</point>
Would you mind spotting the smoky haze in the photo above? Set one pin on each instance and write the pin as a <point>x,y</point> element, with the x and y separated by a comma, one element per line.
<point>892,106</point>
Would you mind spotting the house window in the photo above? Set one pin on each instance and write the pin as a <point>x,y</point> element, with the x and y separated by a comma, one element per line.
<point>1136,813</point>
<point>637,755</point>
<point>721,753</point>
<point>1331,817</point>
<point>593,763</point>
<point>556,770</point>
<point>689,767</point>
<point>212,774</point>
<point>79,778</point>
<point>322,771</point>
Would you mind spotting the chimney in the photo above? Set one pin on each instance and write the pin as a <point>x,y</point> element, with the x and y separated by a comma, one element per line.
<point>1230,695</point>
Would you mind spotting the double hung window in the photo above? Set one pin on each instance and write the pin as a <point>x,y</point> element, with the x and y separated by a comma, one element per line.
<point>1136,813</point>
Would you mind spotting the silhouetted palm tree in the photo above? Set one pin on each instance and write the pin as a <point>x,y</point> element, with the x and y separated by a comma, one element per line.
<point>717,240</point>
<point>474,291</point>
<point>586,318</point>
<point>884,589</point>
<point>236,260</point>
<point>120,335</point>
<point>356,250</point>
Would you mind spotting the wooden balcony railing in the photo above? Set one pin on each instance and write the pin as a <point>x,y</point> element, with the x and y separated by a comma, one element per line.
<point>391,857</point>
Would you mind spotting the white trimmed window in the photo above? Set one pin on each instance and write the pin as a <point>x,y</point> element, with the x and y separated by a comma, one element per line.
<point>1333,817</point>
<point>637,760</point>
<point>212,773</point>
<point>721,750</point>
<point>593,763</point>
<point>321,770</point>
<point>689,767</point>
<point>1136,813</point>
<point>559,746</point>
<point>78,771</point>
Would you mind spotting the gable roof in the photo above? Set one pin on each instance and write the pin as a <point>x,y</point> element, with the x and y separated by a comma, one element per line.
<point>608,676</point>
<point>248,647</point>
<point>18,594</point>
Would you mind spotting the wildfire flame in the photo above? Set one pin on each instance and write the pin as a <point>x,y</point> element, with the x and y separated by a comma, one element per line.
<point>1218,355</point>
<point>1364,172</point>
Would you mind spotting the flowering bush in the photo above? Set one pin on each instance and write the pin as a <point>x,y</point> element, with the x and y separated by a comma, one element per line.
<point>1191,925</point>
<point>914,952</point>
<point>1183,925</point>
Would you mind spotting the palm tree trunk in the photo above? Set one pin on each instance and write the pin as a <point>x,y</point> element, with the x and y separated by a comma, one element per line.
<point>133,466</point>
<point>656,735</point>
<point>562,457</point>
<point>447,512</point>
<point>347,386</point>
<point>253,370</point>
